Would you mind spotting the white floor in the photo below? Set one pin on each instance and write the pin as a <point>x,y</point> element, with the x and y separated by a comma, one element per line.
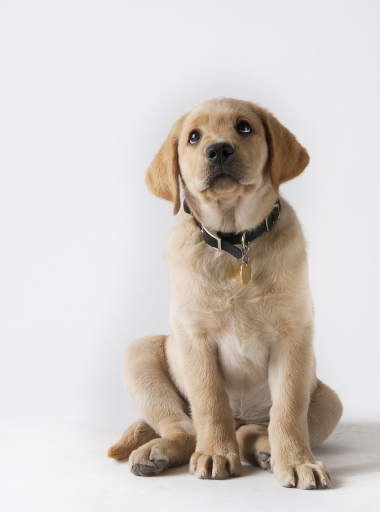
<point>45,469</point>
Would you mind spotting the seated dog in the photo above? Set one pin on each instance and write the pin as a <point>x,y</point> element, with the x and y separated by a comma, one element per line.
<point>236,379</point>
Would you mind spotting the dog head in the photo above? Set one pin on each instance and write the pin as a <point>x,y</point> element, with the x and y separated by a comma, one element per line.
<point>225,149</point>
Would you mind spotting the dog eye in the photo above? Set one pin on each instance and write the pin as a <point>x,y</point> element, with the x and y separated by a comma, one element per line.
<point>195,136</point>
<point>243,127</point>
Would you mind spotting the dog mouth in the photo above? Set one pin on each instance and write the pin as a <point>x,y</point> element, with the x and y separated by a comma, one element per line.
<point>222,177</point>
<point>223,181</point>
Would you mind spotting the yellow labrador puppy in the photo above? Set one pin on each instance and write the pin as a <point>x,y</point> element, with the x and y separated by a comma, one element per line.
<point>235,380</point>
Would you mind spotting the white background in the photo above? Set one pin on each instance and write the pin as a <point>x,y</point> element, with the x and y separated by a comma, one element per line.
<point>89,91</point>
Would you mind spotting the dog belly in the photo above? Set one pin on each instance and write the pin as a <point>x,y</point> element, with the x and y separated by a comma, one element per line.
<point>244,366</point>
<point>250,405</point>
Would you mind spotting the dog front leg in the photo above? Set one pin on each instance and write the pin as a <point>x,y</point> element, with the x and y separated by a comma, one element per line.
<point>291,375</point>
<point>217,452</point>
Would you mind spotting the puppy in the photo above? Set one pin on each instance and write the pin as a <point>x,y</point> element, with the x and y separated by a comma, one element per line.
<point>236,379</point>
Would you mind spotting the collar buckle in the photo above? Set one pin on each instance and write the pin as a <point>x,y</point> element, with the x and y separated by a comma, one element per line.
<point>277,205</point>
<point>215,236</point>
<point>244,249</point>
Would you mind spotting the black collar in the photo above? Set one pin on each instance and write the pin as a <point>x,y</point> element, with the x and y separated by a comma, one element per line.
<point>227,241</point>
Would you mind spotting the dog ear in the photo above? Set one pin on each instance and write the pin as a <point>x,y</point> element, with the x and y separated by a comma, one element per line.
<point>162,177</point>
<point>287,158</point>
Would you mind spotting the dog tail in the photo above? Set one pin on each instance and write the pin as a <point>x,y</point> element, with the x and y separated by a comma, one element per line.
<point>135,436</point>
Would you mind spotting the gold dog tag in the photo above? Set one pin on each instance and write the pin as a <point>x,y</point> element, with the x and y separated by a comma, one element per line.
<point>245,273</point>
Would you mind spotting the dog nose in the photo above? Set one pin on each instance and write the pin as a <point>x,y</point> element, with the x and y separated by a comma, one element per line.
<point>218,152</point>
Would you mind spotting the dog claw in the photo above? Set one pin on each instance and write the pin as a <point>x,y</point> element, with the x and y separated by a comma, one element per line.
<point>159,463</point>
<point>135,471</point>
<point>146,469</point>
<point>264,456</point>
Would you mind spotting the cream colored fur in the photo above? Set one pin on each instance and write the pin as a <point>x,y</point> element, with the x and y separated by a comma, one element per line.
<point>235,380</point>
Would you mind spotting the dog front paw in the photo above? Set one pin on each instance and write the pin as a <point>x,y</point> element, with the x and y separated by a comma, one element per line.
<point>308,475</point>
<point>215,466</point>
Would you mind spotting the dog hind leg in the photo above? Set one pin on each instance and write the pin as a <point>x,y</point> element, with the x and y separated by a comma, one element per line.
<point>147,379</point>
<point>325,410</point>
<point>253,444</point>
<point>136,435</point>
